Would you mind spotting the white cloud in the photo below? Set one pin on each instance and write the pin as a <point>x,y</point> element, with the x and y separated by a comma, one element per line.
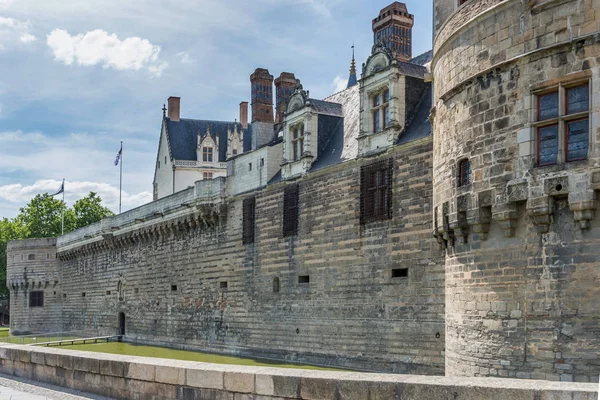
<point>13,31</point>
<point>86,160</point>
<point>5,3</point>
<point>185,58</point>
<point>98,47</point>
<point>17,193</point>
<point>339,83</point>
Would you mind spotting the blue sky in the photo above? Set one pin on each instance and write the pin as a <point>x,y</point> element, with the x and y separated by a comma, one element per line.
<point>78,76</point>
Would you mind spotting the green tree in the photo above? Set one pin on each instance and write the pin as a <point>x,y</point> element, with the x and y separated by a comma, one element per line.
<point>9,230</point>
<point>89,210</point>
<point>42,217</point>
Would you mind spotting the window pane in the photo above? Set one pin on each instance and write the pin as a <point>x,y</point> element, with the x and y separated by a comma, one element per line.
<point>386,96</point>
<point>577,146</point>
<point>548,138</point>
<point>548,106</point>
<point>376,101</point>
<point>376,123</point>
<point>577,99</point>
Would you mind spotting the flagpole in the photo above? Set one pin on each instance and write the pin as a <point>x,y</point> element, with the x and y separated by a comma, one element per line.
<point>121,177</point>
<point>62,231</point>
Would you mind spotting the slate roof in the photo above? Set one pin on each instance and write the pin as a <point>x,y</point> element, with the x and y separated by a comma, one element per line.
<point>183,136</point>
<point>326,107</point>
<point>423,59</point>
<point>341,133</point>
<point>420,126</point>
<point>410,69</point>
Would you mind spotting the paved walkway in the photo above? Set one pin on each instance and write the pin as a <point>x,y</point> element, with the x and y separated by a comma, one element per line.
<point>13,388</point>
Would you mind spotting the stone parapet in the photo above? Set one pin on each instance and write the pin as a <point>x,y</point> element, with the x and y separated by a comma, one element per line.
<point>196,205</point>
<point>129,377</point>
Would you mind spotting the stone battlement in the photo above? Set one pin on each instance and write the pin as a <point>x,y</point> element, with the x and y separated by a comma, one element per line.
<point>198,204</point>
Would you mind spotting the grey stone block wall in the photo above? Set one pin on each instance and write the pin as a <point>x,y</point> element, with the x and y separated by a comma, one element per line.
<point>32,265</point>
<point>521,240</point>
<point>182,276</point>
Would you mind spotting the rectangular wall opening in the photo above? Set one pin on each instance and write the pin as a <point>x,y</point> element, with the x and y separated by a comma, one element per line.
<point>400,273</point>
<point>304,279</point>
<point>223,285</point>
<point>173,288</point>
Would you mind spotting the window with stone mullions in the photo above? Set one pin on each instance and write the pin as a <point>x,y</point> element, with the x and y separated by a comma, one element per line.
<point>376,191</point>
<point>248,220</point>
<point>207,154</point>
<point>563,124</point>
<point>290,210</point>
<point>380,109</point>
<point>297,141</point>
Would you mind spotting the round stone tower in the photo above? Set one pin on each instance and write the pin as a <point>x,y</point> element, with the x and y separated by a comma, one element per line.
<point>516,170</point>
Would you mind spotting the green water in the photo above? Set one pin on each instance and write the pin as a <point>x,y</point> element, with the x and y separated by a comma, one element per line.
<point>161,352</point>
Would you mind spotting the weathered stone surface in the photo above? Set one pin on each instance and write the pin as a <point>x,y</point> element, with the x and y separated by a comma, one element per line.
<point>523,293</point>
<point>165,272</point>
<point>275,383</point>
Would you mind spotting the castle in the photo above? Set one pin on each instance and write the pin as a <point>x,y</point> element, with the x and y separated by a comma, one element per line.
<point>399,225</point>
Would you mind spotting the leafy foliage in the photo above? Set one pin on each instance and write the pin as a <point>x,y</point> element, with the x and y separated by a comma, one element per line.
<point>42,217</point>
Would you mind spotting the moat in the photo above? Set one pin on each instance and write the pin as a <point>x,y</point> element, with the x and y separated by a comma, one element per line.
<point>130,349</point>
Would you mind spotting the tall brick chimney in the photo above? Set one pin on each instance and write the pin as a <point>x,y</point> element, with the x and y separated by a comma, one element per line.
<point>394,26</point>
<point>284,88</point>
<point>244,114</point>
<point>262,96</point>
<point>174,104</point>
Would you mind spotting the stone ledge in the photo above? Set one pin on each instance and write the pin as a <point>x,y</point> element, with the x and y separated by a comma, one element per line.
<point>164,379</point>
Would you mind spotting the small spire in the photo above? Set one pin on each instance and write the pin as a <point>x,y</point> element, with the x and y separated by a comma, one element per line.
<point>352,79</point>
<point>164,110</point>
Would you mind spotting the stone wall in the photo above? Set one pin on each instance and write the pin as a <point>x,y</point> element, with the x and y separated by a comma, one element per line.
<point>522,240</point>
<point>179,272</point>
<point>128,377</point>
<point>32,266</point>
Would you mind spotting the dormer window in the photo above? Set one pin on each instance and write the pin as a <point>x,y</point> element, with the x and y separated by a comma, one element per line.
<point>298,141</point>
<point>207,154</point>
<point>380,109</point>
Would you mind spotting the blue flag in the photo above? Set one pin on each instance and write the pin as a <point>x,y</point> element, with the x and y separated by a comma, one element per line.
<point>60,190</point>
<point>118,158</point>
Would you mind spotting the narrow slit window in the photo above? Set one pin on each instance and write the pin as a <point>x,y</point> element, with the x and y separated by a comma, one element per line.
<point>290,210</point>
<point>249,209</point>
<point>464,172</point>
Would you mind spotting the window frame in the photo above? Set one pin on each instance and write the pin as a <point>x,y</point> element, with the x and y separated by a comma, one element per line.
<point>36,298</point>
<point>207,175</point>
<point>561,120</point>
<point>380,107</point>
<point>464,175</point>
<point>297,140</point>
<point>207,154</point>
<point>376,191</point>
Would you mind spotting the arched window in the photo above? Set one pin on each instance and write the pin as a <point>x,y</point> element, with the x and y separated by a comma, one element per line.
<point>464,172</point>
<point>275,285</point>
